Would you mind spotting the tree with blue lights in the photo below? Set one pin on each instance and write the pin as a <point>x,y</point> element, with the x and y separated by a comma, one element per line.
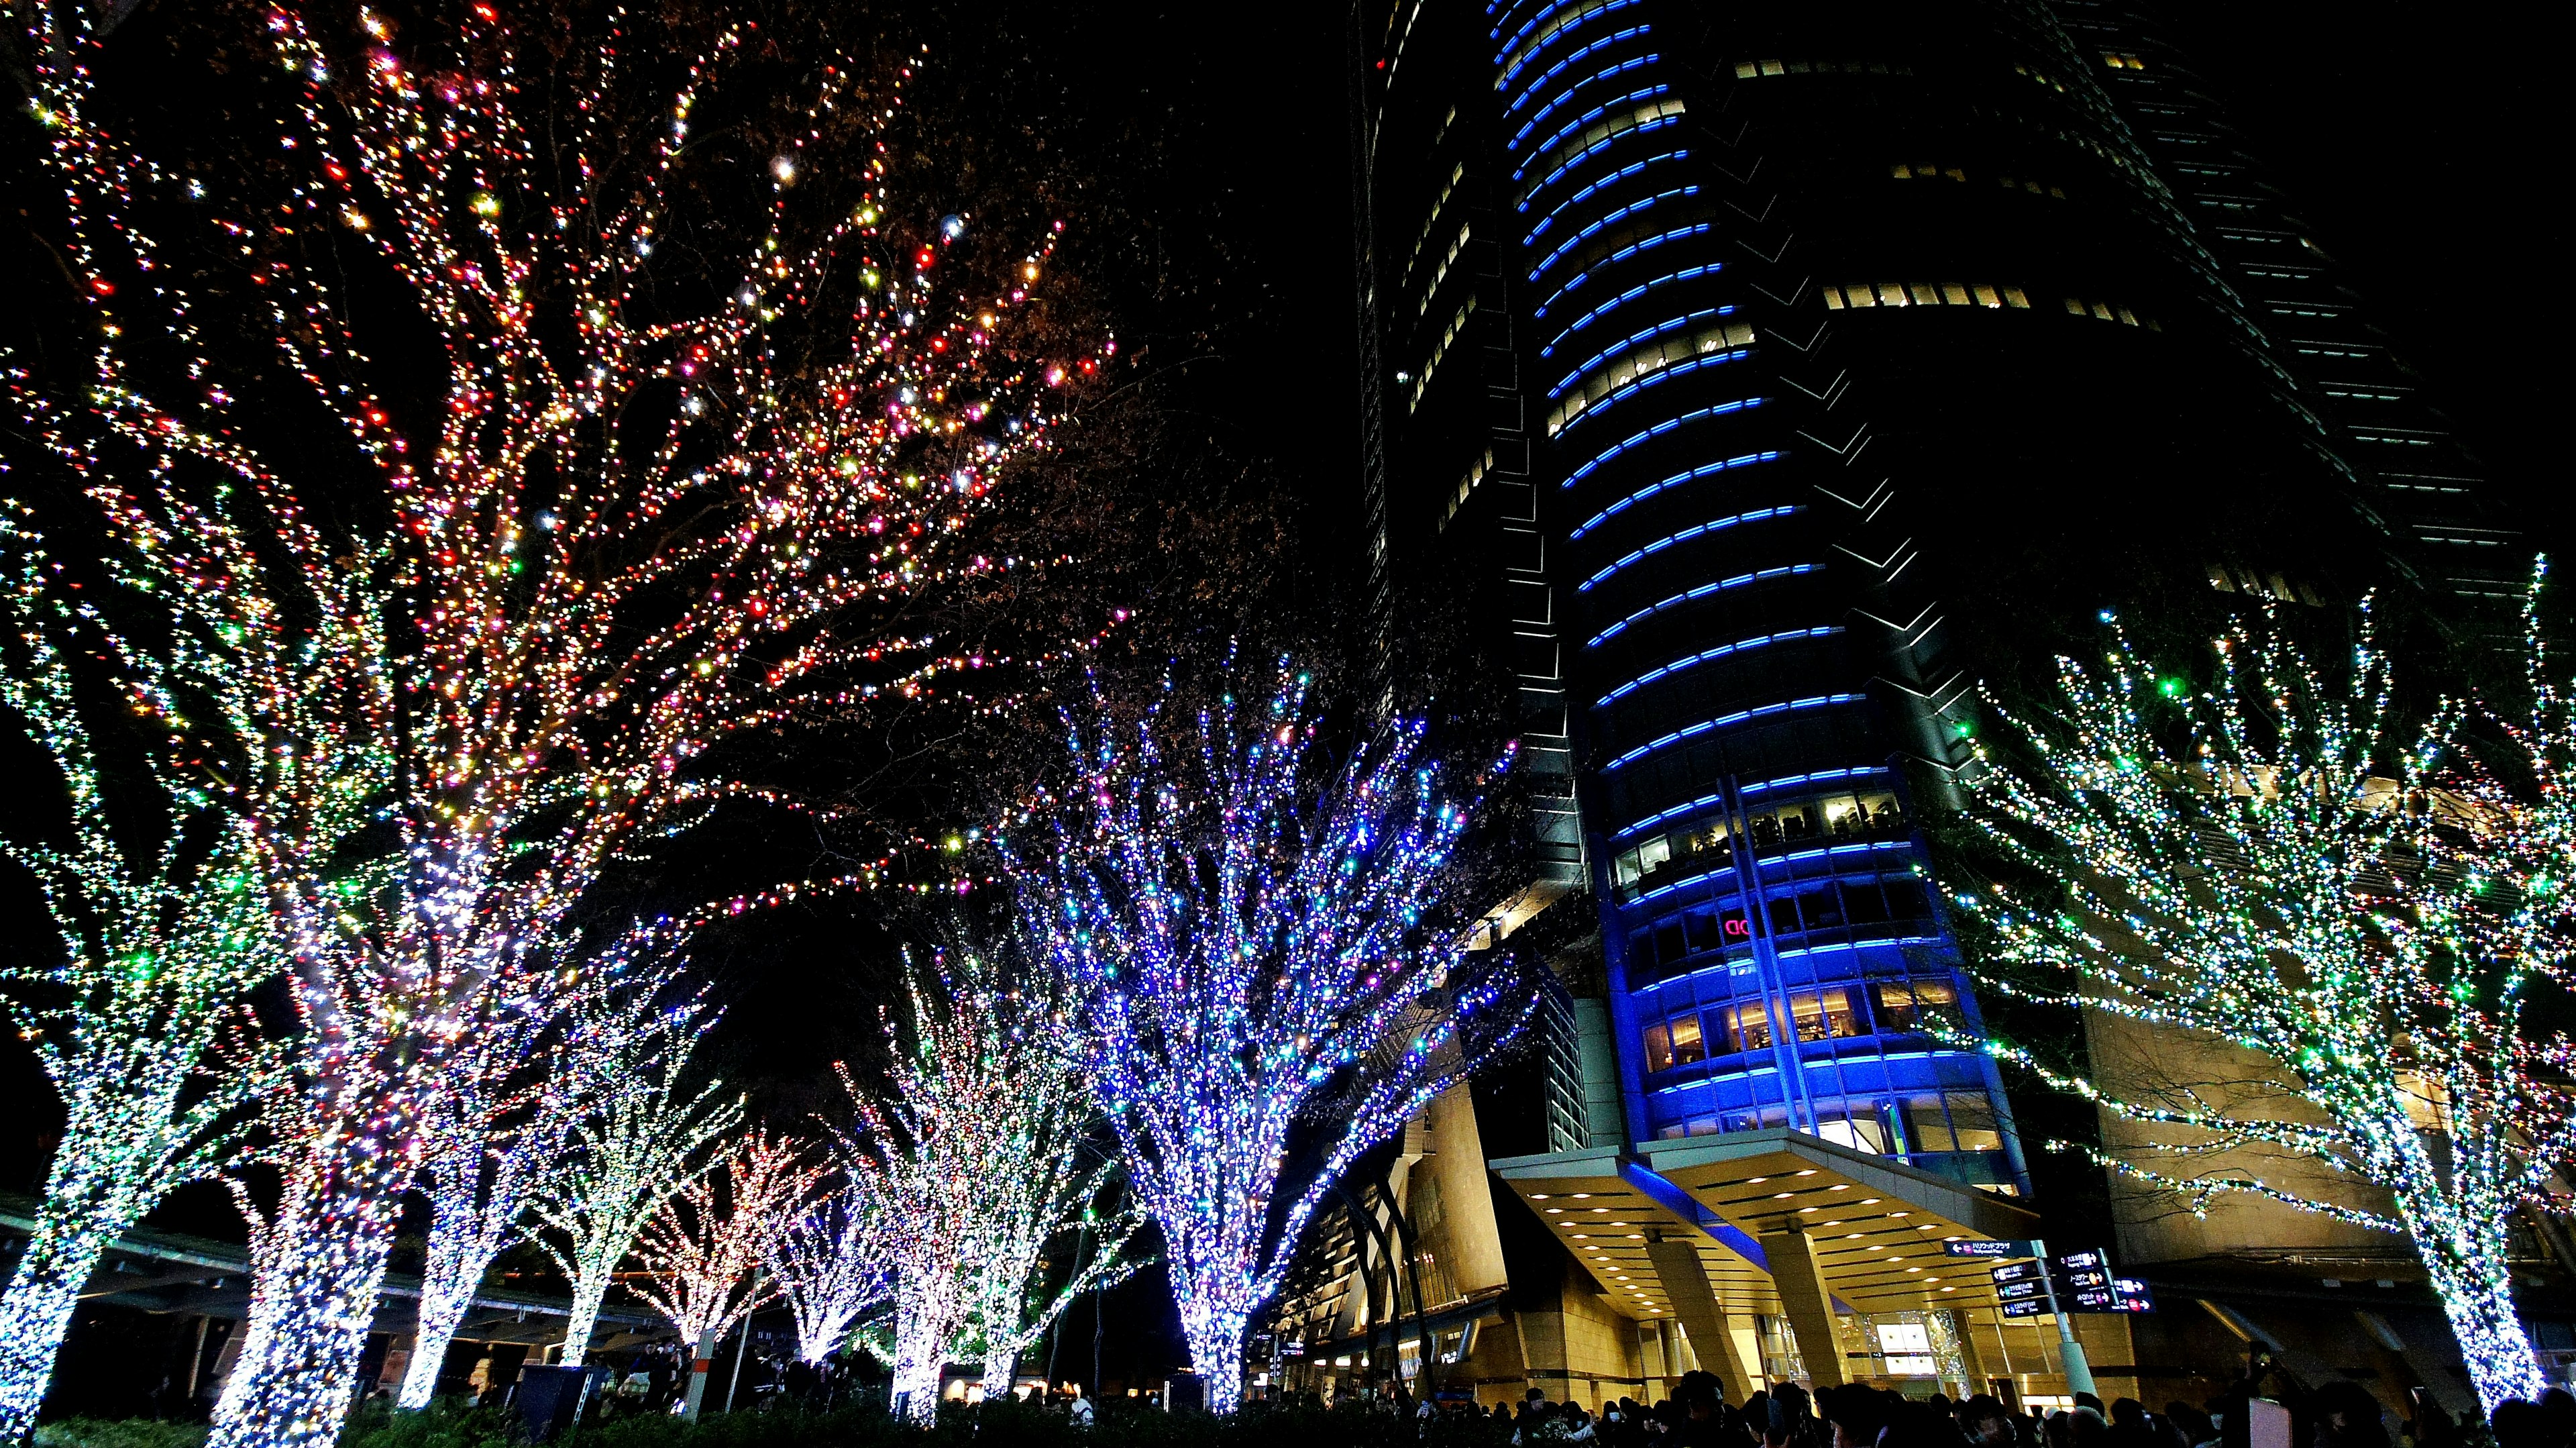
<point>2272,866</point>
<point>1265,974</point>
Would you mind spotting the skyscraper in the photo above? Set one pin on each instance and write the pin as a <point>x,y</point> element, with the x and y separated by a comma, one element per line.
<point>1762,376</point>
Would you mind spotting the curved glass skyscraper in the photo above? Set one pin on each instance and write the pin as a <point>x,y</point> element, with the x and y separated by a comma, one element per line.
<point>1757,377</point>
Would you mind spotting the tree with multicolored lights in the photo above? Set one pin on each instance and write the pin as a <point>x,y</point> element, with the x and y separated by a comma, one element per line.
<point>644,1139</point>
<point>706,1252</point>
<point>829,1262</point>
<point>464,644</point>
<point>2363,914</point>
<point>141,1024</point>
<point>515,1094</point>
<point>1254,936</point>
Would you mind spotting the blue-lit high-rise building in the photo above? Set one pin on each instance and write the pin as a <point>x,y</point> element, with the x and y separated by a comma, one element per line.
<point>1753,379</point>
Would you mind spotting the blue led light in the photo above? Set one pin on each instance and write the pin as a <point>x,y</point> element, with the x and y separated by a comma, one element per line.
<point>1633,62</point>
<point>1594,114</point>
<point>1595,149</point>
<point>1605,219</point>
<point>1512,71</point>
<point>1657,379</point>
<point>1727,721</point>
<point>1675,481</point>
<point>1704,590</point>
<point>1705,656</point>
<point>1698,530</point>
<point>1623,253</point>
<point>1631,340</point>
<point>1700,881</point>
<point>1658,430</point>
<point>1630,295</point>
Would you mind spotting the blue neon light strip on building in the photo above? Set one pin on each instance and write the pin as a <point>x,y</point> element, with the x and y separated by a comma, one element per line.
<point>1630,295</point>
<point>1698,530</point>
<point>1675,481</point>
<point>1588,152</point>
<point>1788,570</point>
<point>1594,114</point>
<point>1539,116</point>
<point>1700,881</point>
<point>1728,721</point>
<point>1657,379</point>
<point>1623,253</point>
<point>1705,656</point>
<point>1711,801</point>
<point>1631,340</point>
<point>1531,52</point>
<point>1658,430</point>
<point>1578,198</point>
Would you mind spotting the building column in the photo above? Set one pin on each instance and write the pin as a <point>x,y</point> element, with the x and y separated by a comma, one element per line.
<point>1808,1305</point>
<point>1677,1267</point>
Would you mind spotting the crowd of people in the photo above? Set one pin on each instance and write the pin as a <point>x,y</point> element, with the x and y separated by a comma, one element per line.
<point>2340,1414</point>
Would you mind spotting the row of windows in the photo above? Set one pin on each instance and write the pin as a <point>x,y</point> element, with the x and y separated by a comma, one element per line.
<point>1663,328</point>
<point>1833,1013</point>
<point>1624,445</point>
<point>1442,273</point>
<point>1524,46</point>
<point>1592,138</point>
<point>1668,949</point>
<point>1901,1126</point>
<point>1691,534</point>
<point>1588,48</point>
<point>1692,475</point>
<point>1790,744</point>
<point>1686,274</point>
<point>1903,172</point>
<point>2278,586</point>
<point>1643,93</point>
<point>1607,234</point>
<point>1870,814</point>
<point>1694,595</point>
<point>1749,69</point>
<point>1708,344</point>
<point>1432,220</point>
<point>1539,117</point>
<point>1457,324</point>
<point>1925,294</point>
<point>2110,312</point>
<point>2122,60</point>
<point>1641,244</point>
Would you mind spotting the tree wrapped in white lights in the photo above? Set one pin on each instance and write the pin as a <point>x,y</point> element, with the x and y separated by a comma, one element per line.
<point>705,1259</point>
<point>141,1026</point>
<point>2270,863</point>
<point>975,1161</point>
<point>1252,932</point>
<point>485,644</point>
<point>643,1140</point>
<point>515,1094</point>
<point>829,1262</point>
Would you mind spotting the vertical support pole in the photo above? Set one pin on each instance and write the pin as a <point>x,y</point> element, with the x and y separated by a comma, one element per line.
<point>1685,1280</point>
<point>700,1364</point>
<point>1809,1306</point>
<point>2079,1373</point>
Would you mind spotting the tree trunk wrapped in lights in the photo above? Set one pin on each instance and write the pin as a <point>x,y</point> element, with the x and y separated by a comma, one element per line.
<point>642,1141</point>
<point>1254,937</point>
<point>2271,864</point>
<point>484,644</point>
<point>142,1026</point>
<point>513,1099</point>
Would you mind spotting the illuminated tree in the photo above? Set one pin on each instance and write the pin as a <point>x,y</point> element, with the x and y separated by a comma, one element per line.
<point>829,1264</point>
<point>2272,864</point>
<point>514,1096</point>
<point>1253,937</point>
<point>140,1026</point>
<point>648,504</point>
<point>646,1139</point>
<point>705,1251</point>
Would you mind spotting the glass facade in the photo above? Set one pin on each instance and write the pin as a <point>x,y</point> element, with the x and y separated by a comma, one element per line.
<point>1756,376</point>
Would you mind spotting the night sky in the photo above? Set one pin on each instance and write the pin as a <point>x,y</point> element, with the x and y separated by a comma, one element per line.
<point>1217,135</point>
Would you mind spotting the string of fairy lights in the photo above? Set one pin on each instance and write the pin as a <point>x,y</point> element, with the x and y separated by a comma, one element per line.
<point>1242,928</point>
<point>621,537</point>
<point>705,1253</point>
<point>2272,865</point>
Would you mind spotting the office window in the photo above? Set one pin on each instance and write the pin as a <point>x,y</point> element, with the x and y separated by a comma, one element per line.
<point>1756,69</point>
<point>2122,61</point>
<point>1902,1005</point>
<point>1675,1043</point>
<point>1743,1027</point>
<point>1927,1126</point>
<point>1972,1121</point>
<point>1827,1014</point>
<point>1857,1126</point>
<point>2109,312</point>
<point>1857,295</point>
